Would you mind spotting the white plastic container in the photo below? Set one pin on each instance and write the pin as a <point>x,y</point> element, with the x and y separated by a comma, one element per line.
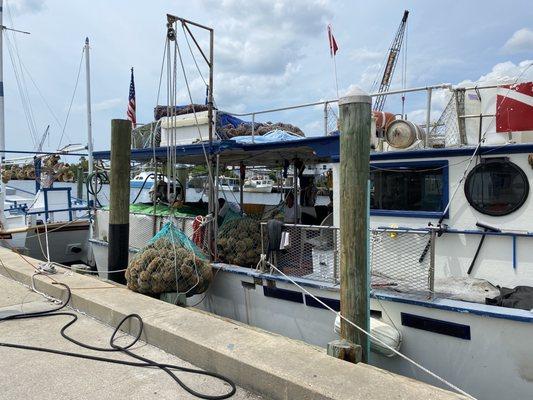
<point>184,128</point>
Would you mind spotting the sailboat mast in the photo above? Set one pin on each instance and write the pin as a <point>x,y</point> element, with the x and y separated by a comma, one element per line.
<point>2,115</point>
<point>89,118</point>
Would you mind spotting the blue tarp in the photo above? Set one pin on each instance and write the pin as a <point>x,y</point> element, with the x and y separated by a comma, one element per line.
<point>277,135</point>
<point>226,119</point>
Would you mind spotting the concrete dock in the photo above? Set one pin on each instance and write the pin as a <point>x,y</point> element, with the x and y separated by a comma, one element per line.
<point>261,362</point>
<point>35,375</point>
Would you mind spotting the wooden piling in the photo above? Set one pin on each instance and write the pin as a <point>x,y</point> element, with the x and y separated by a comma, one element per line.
<point>119,201</point>
<point>355,122</point>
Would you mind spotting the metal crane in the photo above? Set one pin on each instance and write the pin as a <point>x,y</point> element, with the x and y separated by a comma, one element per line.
<point>43,138</point>
<point>394,52</point>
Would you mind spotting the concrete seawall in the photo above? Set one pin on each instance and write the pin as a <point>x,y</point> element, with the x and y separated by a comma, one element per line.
<point>271,365</point>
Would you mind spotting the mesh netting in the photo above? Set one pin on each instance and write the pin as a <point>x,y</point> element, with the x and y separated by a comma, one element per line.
<point>445,133</point>
<point>239,240</point>
<point>332,119</point>
<point>170,262</point>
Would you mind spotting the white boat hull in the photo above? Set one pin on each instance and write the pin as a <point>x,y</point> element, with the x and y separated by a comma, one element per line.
<point>494,363</point>
<point>260,189</point>
<point>494,342</point>
<point>68,243</point>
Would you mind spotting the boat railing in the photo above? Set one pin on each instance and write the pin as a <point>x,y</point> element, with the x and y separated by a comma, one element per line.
<point>403,260</point>
<point>400,259</point>
<point>304,251</point>
<point>453,114</point>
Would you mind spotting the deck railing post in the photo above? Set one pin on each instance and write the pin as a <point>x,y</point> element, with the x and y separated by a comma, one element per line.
<point>253,128</point>
<point>326,118</point>
<point>432,262</point>
<point>428,116</point>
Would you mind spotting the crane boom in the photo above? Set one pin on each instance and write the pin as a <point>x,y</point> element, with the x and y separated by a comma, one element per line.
<point>392,59</point>
<point>43,138</point>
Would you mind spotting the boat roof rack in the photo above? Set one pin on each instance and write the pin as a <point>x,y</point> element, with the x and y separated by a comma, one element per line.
<point>309,150</point>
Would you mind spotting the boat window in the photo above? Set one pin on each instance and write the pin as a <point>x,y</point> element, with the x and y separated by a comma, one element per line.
<point>496,187</point>
<point>418,189</point>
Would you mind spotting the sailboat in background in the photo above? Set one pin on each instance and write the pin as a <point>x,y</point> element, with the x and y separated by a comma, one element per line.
<point>49,224</point>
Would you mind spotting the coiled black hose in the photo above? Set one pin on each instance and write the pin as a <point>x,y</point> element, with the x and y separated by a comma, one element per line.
<point>95,183</point>
<point>114,347</point>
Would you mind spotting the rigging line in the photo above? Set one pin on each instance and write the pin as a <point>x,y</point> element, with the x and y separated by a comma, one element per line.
<point>192,55</point>
<point>54,115</point>
<point>210,173</point>
<point>23,79</point>
<point>195,62</point>
<point>72,99</point>
<point>21,92</point>
<point>161,73</point>
<point>370,335</point>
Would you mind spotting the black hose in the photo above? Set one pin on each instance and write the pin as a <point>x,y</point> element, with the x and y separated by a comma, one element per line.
<point>94,184</point>
<point>142,187</point>
<point>144,362</point>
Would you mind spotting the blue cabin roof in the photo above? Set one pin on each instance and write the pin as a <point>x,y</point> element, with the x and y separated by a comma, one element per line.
<point>323,149</point>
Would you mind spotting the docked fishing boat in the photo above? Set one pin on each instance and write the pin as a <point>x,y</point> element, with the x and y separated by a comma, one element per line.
<point>145,180</point>
<point>448,243</point>
<point>450,228</point>
<point>228,184</point>
<point>258,184</point>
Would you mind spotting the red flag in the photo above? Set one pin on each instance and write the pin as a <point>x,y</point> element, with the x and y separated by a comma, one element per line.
<point>332,42</point>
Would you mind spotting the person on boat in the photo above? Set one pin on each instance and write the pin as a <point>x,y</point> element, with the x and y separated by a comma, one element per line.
<point>289,210</point>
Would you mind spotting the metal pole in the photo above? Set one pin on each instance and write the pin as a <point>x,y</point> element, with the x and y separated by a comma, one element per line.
<point>89,118</point>
<point>428,116</point>
<point>253,128</point>
<point>2,116</point>
<point>211,161</point>
<point>432,263</point>
<point>355,123</point>
<point>326,118</point>
<point>295,185</point>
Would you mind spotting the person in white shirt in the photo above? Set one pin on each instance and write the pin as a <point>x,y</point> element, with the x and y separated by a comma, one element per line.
<point>289,210</point>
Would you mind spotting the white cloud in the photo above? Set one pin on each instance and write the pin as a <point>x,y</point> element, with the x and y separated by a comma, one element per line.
<point>264,36</point>
<point>19,7</point>
<point>365,55</point>
<point>505,72</point>
<point>520,42</point>
<point>104,105</point>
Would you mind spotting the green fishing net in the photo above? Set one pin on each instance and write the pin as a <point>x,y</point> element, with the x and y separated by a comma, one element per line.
<point>170,262</point>
<point>239,240</point>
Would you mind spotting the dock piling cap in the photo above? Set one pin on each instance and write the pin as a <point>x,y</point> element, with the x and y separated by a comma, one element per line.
<point>355,95</point>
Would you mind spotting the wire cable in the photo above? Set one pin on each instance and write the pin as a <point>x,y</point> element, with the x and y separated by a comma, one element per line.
<point>143,362</point>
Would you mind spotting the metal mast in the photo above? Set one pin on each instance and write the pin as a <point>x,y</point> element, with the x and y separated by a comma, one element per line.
<point>2,115</point>
<point>89,118</point>
<point>392,59</point>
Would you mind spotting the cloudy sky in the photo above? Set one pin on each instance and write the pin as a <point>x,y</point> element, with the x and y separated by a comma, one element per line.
<point>268,53</point>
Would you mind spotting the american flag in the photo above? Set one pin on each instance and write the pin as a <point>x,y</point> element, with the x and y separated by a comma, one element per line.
<point>131,102</point>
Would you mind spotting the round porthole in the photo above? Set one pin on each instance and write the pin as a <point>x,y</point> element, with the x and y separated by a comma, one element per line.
<point>496,187</point>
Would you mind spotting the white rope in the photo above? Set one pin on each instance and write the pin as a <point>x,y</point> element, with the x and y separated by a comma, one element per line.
<point>408,359</point>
